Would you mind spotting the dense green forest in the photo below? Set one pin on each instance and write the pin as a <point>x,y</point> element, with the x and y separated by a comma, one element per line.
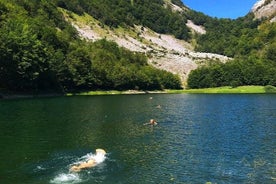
<point>235,73</point>
<point>250,42</point>
<point>40,51</point>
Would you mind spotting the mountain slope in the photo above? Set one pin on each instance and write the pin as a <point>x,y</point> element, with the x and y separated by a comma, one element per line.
<point>164,28</point>
<point>250,40</point>
<point>265,8</point>
<point>102,44</point>
<point>164,51</point>
<point>41,51</point>
<point>146,26</point>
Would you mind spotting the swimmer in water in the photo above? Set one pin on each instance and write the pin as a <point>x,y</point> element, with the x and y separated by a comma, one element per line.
<point>89,163</point>
<point>152,122</point>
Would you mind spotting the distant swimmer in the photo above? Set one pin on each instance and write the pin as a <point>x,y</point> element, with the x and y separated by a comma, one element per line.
<point>98,158</point>
<point>152,122</point>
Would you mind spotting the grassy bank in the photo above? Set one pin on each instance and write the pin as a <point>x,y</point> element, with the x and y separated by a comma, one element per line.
<point>113,92</point>
<point>218,90</point>
<point>95,93</point>
<point>228,89</point>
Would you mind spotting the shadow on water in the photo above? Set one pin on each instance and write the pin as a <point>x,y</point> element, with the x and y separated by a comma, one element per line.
<point>198,139</point>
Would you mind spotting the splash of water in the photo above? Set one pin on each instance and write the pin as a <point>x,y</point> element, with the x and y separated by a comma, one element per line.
<point>66,178</point>
<point>99,158</point>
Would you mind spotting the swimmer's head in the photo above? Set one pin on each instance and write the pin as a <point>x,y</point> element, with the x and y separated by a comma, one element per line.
<point>100,151</point>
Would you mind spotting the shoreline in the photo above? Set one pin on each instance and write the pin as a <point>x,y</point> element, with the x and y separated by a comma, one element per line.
<point>115,92</point>
<point>9,96</point>
<point>15,95</point>
<point>217,90</point>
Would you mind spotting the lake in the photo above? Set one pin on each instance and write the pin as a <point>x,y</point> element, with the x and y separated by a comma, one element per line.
<point>199,138</point>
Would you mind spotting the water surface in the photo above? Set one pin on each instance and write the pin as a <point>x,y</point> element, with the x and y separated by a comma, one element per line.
<point>199,139</point>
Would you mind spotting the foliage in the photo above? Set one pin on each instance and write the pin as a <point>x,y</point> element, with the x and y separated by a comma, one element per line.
<point>229,37</point>
<point>229,90</point>
<point>39,50</point>
<point>270,89</point>
<point>234,73</point>
<point>244,36</point>
<point>251,42</point>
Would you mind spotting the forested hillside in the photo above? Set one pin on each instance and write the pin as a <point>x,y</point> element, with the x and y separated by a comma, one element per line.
<point>40,51</point>
<point>251,42</point>
<point>149,13</point>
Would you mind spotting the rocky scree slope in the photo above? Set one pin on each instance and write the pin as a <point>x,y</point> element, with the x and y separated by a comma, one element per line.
<point>164,51</point>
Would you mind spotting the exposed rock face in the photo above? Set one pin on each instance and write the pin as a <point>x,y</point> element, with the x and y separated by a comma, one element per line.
<point>265,8</point>
<point>196,28</point>
<point>164,51</point>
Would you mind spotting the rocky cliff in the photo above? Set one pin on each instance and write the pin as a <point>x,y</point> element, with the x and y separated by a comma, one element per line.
<point>265,8</point>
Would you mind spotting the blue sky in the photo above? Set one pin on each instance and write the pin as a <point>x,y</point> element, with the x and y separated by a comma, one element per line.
<point>221,8</point>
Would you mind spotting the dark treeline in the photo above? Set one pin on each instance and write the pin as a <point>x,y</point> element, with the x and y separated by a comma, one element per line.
<point>250,42</point>
<point>39,50</point>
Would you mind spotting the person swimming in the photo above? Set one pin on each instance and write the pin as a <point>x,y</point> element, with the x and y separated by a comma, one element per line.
<point>152,122</point>
<point>98,158</point>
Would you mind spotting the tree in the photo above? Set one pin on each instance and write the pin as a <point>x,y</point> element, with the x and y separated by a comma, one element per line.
<point>23,56</point>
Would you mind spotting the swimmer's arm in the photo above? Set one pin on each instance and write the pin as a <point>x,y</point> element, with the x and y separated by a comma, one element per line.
<point>89,163</point>
<point>74,169</point>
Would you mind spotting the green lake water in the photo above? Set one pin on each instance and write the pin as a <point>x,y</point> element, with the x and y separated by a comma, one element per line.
<point>198,139</point>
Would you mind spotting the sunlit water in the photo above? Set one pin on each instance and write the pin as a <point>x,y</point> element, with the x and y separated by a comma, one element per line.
<point>198,139</point>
